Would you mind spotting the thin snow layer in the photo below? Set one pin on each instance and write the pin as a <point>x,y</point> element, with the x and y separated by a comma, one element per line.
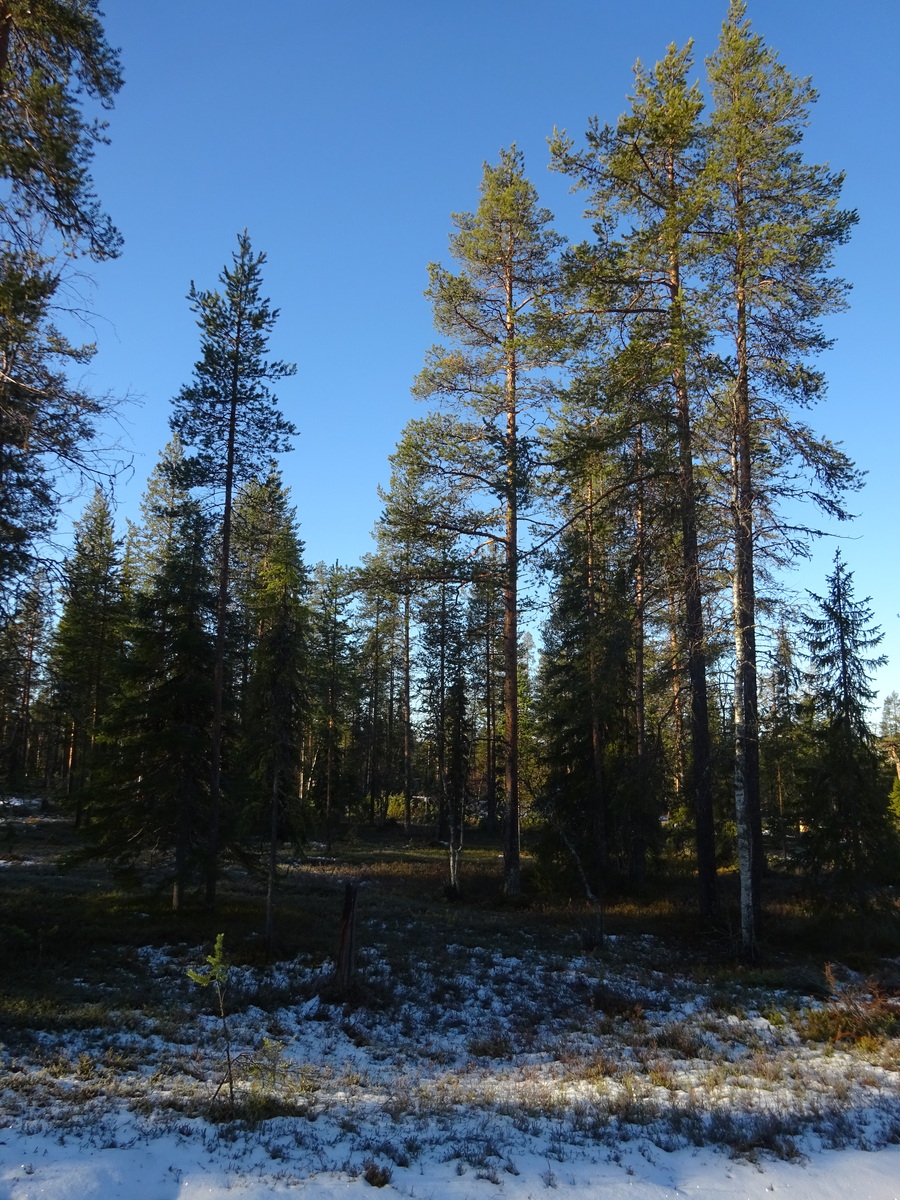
<point>470,1074</point>
<point>177,1168</point>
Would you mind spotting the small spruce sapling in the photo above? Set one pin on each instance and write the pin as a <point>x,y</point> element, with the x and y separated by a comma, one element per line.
<point>217,975</point>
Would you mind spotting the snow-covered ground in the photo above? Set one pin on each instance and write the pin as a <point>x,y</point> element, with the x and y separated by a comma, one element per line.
<point>486,1074</point>
<point>496,1065</point>
<point>174,1167</point>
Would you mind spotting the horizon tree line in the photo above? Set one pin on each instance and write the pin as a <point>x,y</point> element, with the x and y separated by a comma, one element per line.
<point>619,422</point>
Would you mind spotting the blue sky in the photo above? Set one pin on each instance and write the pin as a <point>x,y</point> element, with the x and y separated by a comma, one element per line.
<point>343,136</point>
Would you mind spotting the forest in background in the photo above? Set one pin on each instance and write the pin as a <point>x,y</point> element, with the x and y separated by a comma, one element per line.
<point>573,628</point>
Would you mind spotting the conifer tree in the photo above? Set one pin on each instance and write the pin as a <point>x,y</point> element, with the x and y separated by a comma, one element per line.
<point>446,659</point>
<point>276,705</point>
<point>149,544</point>
<point>781,748</point>
<point>152,796</point>
<point>484,632</point>
<point>647,201</point>
<point>228,420</point>
<point>88,643</point>
<point>846,786</point>
<point>890,731</point>
<point>23,654</point>
<point>375,629</point>
<point>768,263</point>
<point>53,55</point>
<point>493,379</point>
<point>335,686</point>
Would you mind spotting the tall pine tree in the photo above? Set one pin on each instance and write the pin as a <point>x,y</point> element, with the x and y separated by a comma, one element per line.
<point>229,420</point>
<point>768,263</point>
<point>494,379</point>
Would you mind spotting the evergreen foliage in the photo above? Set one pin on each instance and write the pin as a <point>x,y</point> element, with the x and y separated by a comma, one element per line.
<point>626,415</point>
<point>53,53</point>
<point>229,418</point>
<point>638,279</point>
<point>152,798</point>
<point>845,790</point>
<point>276,706</point>
<point>53,56</point>
<point>88,644</point>
<point>499,312</point>
<point>23,655</point>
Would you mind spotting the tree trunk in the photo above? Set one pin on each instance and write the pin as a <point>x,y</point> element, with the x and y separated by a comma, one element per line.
<point>215,786</point>
<point>677,714</point>
<point>698,711</point>
<point>639,841</point>
<point>407,720</point>
<point>512,882</point>
<point>272,864</point>
<point>746,713</point>
<point>6,24</point>
<point>598,808</point>
<point>490,727</point>
<point>441,740</point>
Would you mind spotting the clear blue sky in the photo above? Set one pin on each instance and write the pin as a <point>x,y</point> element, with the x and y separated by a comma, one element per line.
<point>343,135</point>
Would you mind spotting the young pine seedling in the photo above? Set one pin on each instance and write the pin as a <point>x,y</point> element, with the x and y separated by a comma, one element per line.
<point>217,975</point>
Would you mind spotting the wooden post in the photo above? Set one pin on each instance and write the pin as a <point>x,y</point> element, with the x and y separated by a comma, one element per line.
<point>343,971</point>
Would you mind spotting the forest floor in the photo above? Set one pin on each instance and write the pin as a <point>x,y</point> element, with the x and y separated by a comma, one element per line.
<point>483,1047</point>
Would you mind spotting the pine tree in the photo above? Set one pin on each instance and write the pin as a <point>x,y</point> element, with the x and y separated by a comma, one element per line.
<point>647,201</point>
<point>229,419</point>
<point>48,427</point>
<point>375,630</point>
<point>494,379</point>
<point>890,748</point>
<point>53,55</point>
<point>890,731</point>
<point>458,742</point>
<point>484,632</point>
<point>768,264</point>
<point>446,658</point>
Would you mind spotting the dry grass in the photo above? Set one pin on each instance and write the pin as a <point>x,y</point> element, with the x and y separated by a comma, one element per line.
<point>853,1012</point>
<point>599,1049</point>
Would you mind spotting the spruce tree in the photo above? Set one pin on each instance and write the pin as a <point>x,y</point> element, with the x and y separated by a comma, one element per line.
<point>23,654</point>
<point>846,786</point>
<point>782,744</point>
<point>275,708</point>
<point>152,795</point>
<point>335,686</point>
<point>149,543</point>
<point>228,420</point>
<point>88,644</point>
